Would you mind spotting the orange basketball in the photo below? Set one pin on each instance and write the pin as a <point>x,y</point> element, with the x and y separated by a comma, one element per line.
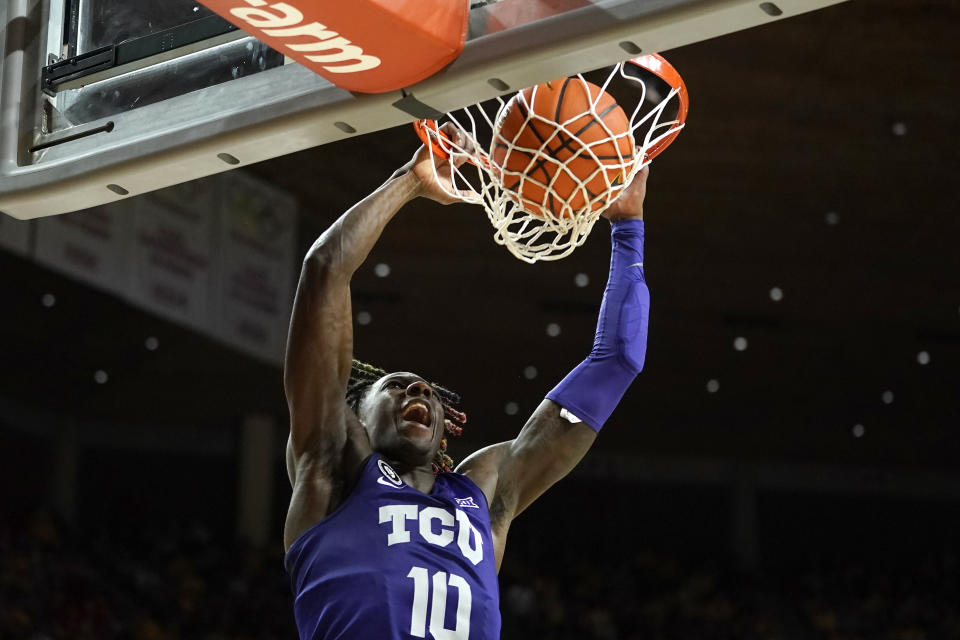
<point>579,159</point>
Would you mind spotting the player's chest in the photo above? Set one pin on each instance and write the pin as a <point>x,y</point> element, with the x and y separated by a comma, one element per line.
<point>407,525</point>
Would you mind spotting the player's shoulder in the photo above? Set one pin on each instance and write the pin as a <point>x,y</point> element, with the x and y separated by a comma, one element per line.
<point>484,460</point>
<point>482,468</point>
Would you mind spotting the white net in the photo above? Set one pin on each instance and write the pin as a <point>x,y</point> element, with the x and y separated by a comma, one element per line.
<point>544,181</point>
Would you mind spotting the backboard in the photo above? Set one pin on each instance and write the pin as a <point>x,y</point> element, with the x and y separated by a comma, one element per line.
<point>105,99</point>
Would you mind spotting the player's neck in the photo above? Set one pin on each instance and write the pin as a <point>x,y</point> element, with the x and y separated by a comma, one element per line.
<point>420,478</point>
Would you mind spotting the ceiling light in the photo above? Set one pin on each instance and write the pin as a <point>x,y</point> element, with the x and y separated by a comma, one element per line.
<point>364,318</point>
<point>923,357</point>
<point>713,386</point>
<point>776,294</point>
<point>382,270</point>
<point>858,430</point>
<point>511,408</point>
<point>581,280</point>
<point>48,300</point>
<point>740,343</point>
<point>100,376</point>
<point>530,372</point>
<point>151,343</point>
<point>887,397</point>
<point>553,329</point>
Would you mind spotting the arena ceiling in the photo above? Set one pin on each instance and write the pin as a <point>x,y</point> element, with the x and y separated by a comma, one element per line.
<point>820,159</point>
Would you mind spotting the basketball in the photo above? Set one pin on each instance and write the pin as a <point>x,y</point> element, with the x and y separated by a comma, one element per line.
<point>565,141</point>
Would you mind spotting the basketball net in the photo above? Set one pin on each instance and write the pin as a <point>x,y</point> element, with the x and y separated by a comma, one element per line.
<point>553,232</point>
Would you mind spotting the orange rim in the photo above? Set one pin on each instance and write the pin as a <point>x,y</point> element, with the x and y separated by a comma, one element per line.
<point>654,63</point>
<point>430,133</point>
<point>422,126</point>
<point>658,66</point>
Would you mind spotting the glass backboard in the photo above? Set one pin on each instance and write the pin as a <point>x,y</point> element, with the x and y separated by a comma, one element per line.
<point>99,23</point>
<point>103,99</point>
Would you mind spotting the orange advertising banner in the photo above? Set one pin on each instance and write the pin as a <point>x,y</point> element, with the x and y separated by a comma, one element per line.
<point>368,46</point>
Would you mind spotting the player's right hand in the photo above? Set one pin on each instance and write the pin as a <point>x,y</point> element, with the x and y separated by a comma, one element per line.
<point>435,173</point>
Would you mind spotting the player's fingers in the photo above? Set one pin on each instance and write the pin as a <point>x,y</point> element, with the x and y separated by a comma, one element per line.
<point>459,159</point>
<point>452,137</point>
<point>456,143</point>
<point>639,180</point>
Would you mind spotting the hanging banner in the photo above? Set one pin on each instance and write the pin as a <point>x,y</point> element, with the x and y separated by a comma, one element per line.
<point>217,255</point>
<point>200,195</point>
<point>369,46</point>
<point>257,241</point>
<point>15,234</point>
<point>89,245</point>
<point>171,271</point>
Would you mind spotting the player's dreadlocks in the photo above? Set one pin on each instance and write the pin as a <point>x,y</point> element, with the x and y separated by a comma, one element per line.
<point>362,375</point>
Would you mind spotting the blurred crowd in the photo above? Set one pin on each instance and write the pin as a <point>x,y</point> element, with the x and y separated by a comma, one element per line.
<point>184,582</point>
<point>651,596</point>
<point>155,584</point>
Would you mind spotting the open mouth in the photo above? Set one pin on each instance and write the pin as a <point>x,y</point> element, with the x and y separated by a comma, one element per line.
<point>417,412</point>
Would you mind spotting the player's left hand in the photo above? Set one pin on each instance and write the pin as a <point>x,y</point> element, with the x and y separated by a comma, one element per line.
<point>629,204</point>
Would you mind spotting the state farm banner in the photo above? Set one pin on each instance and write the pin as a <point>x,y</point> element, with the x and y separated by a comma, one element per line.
<point>257,241</point>
<point>15,234</point>
<point>370,46</point>
<point>171,267</point>
<point>89,245</point>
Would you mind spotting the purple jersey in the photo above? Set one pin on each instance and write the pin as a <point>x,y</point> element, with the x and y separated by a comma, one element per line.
<point>392,563</point>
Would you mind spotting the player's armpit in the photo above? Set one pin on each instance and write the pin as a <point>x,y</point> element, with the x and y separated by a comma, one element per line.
<point>482,467</point>
<point>516,472</point>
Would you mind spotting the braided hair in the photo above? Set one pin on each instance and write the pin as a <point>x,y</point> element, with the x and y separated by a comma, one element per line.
<point>362,375</point>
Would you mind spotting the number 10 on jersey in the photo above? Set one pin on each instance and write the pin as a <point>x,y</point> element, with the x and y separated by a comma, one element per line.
<point>438,605</point>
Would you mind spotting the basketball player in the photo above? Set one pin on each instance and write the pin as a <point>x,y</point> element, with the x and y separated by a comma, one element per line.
<point>379,545</point>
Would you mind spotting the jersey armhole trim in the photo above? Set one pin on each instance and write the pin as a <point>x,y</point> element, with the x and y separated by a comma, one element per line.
<point>475,486</point>
<point>330,516</point>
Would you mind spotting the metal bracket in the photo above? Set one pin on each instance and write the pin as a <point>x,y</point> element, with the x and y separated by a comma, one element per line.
<point>69,135</point>
<point>63,74</point>
<point>84,64</point>
<point>409,104</point>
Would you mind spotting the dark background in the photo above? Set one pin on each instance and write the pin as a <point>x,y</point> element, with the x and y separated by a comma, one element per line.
<point>820,157</point>
<point>789,122</point>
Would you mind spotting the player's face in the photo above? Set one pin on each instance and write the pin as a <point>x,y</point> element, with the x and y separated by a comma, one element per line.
<point>404,418</point>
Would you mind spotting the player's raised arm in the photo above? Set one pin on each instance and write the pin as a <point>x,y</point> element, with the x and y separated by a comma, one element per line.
<point>561,430</point>
<point>320,344</point>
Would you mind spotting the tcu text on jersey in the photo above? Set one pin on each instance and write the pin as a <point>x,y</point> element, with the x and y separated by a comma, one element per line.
<point>435,525</point>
